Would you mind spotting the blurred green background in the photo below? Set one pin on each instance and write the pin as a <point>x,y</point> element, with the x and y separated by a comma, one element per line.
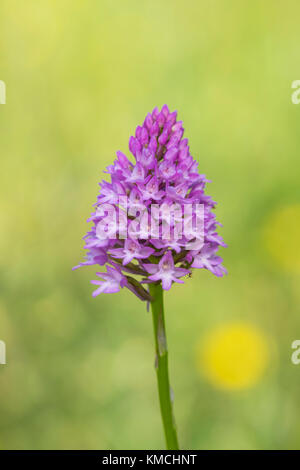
<point>80,76</point>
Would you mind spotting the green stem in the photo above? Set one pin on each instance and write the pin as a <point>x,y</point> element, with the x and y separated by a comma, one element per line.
<point>161,365</point>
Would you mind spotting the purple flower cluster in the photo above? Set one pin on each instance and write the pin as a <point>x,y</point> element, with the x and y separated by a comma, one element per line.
<point>163,173</point>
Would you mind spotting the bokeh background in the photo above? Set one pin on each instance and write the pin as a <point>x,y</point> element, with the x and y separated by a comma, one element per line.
<point>80,76</point>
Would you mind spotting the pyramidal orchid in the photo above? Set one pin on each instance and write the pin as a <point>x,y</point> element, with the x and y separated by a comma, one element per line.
<point>151,225</point>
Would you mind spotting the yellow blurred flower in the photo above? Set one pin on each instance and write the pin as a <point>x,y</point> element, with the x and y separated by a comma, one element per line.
<point>281,237</point>
<point>233,356</point>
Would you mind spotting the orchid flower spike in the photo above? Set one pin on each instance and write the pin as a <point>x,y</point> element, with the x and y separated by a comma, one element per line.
<point>141,195</point>
<point>151,225</point>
